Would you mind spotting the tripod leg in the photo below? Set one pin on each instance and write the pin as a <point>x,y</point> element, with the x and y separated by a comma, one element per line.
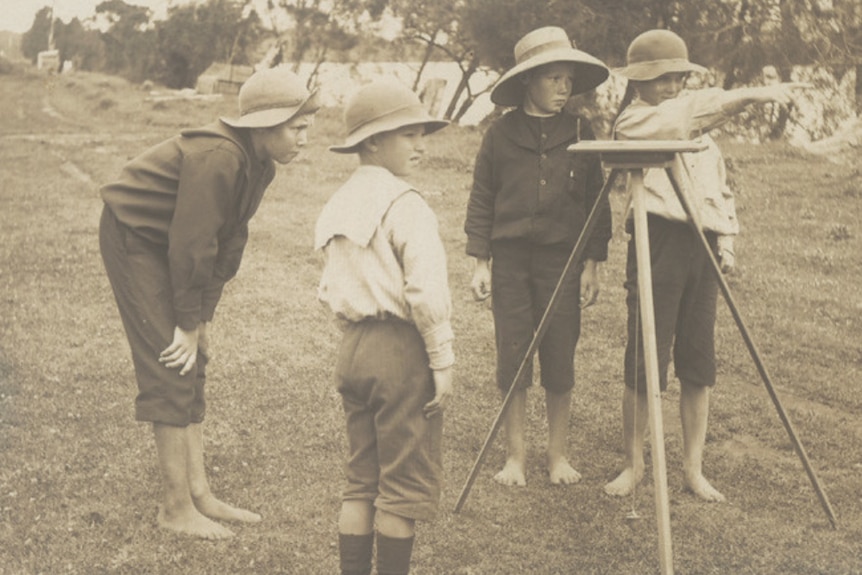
<point>647,313</point>
<point>752,349</point>
<point>574,257</point>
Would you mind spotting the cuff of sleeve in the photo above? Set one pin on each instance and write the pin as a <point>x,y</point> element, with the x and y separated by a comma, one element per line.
<point>188,320</point>
<point>725,243</point>
<point>596,253</point>
<point>478,248</point>
<point>438,343</point>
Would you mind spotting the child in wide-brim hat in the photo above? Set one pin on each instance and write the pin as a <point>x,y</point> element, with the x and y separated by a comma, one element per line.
<point>528,205</point>
<point>172,233</point>
<point>385,281</point>
<point>685,289</point>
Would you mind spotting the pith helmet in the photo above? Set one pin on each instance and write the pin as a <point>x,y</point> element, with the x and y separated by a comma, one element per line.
<point>271,97</point>
<point>382,106</point>
<point>656,53</point>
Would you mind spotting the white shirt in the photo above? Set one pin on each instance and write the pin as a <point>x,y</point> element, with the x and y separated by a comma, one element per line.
<point>384,258</point>
<point>705,179</point>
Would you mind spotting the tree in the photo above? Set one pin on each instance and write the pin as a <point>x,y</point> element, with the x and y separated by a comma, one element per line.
<point>130,41</point>
<point>321,26</point>
<point>440,27</point>
<point>196,35</point>
<point>83,47</point>
<point>35,39</point>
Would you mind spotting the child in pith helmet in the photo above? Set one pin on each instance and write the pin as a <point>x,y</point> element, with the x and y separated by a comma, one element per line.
<point>528,204</point>
<point>685,289</point>
<point>172,233</point>
<point>385,281</point>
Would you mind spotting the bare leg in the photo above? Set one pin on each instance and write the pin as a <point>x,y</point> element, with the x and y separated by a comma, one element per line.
<point>395,526</point>
<point>178,512</point>
<point>558,407</point>
<point>356,517</point>
<point>514,421</point>
<point>199,486</point>
<point>635,412</point>
<point>694,413</point>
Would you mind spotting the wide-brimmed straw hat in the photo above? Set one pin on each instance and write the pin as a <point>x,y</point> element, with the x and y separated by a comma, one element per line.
<point>271,97</point>
<point>656,53</point>
<point>382,106</point>
<point>543,46</point>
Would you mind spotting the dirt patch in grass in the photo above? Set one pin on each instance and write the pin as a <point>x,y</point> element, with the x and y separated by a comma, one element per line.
<point>78,482</point>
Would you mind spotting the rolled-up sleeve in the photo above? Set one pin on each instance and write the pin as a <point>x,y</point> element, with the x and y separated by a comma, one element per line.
<point>414,236</point>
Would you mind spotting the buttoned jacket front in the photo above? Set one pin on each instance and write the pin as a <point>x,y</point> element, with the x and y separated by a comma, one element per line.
<point>526,186</point>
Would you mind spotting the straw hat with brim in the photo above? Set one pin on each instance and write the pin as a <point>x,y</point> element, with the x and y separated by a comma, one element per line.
<point>382,106</point>
<point>543,46</point>
<point>271,97</point>
<point>656,53</point>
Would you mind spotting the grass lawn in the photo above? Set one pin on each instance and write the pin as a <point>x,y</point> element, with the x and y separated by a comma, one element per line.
<point>78,477</point>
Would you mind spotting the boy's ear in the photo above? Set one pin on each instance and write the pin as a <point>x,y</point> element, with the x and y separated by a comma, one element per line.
<point>369,144</point>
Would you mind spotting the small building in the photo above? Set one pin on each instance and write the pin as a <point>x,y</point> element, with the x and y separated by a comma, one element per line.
<point>48,60</point>
<point>222,78</point>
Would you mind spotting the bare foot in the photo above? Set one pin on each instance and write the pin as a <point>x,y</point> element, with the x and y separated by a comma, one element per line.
<point>512,474</point>
<point>562,473</point>
<point>217,509</point>
<point>625,482</point>
<point>194,524</point>
<point>703,489</point>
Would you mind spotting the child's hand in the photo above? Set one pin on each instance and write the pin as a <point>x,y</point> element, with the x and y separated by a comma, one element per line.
<point>203,340</point>
<point>442,391</point>
<point>724,254</point>
<point>727,260</point>
<point>784,93</point>
<point>183,351</point>
<point>481,282</point>
<point>589,284</point>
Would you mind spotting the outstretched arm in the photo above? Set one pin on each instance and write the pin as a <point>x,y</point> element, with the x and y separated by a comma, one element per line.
<point>785,94</point>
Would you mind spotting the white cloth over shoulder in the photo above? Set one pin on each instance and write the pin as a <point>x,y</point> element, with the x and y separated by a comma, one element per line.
<point>384,258</point>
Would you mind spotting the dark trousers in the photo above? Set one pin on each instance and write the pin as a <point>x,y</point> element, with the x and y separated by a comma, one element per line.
<point>523,278</point>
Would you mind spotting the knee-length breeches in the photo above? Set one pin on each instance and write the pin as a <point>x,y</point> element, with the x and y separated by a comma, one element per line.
<point>138,271</point>
<point>685,292</point>
<point>523,278</point>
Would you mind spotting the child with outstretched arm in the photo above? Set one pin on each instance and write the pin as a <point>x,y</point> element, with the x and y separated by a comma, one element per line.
<point>685,289</point>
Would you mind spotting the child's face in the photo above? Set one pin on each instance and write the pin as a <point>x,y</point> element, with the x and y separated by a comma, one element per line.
<point>400,151</point>
<point>282,143</point>
<point>549,88</point>
<point>665,87</point>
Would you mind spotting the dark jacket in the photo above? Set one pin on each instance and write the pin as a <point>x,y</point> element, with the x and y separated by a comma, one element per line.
<point>526,186</point>
<point>194,194</point>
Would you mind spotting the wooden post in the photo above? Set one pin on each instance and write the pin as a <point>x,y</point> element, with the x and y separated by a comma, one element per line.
<point>636,156</point>
<point>645,297</point>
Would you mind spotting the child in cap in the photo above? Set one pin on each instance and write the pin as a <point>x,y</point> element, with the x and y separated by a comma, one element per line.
<point>172,233</point>
<point>385,281</point>
<point>529,202</point>
<point>685,289</point>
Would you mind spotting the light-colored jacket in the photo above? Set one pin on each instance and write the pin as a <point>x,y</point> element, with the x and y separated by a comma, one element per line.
<point>704,178</point>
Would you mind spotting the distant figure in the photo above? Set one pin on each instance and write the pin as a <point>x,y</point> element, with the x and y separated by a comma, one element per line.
<point>685,289</point>
<point>386,283</point>
<point>529,203</point>
<point>172,233</point>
